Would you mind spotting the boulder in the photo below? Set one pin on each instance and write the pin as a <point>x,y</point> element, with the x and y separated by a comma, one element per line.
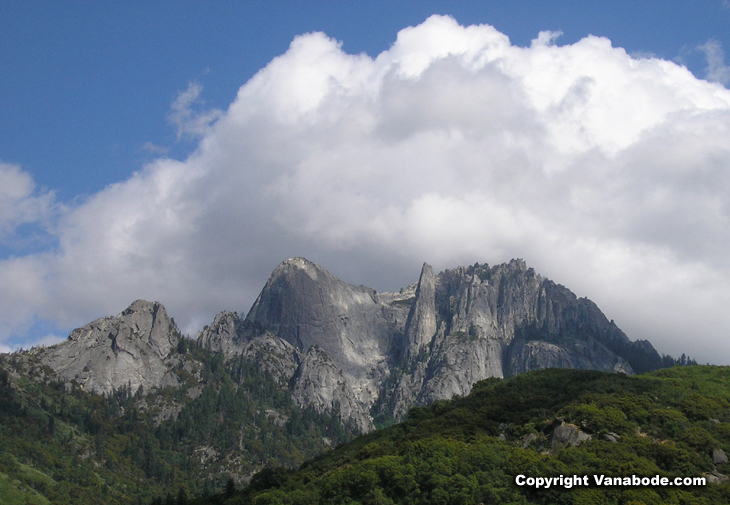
<point>719,457</point>
<point>568,434</point>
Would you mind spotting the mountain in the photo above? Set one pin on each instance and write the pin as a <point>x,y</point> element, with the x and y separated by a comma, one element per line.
<point>133,348</point>
<point>366,356</point>
<point>435,339</point>
<point>128,408</point>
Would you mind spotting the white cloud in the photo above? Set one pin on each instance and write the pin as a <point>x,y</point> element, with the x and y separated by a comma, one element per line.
<point>48,340</point>
<point>20,201</point>
<point>546,38</point>
<point>188,121</point>
<point>607,173</point>
<point>45,341</point>
<point>717,71</point>
<point>154,149</point>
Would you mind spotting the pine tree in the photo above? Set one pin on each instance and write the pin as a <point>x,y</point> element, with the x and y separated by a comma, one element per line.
<point>230,487</point>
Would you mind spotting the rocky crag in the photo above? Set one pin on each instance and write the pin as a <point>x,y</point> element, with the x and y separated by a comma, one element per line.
<point>133,348</point>
<point>436,338</point>
<point>365,355</point>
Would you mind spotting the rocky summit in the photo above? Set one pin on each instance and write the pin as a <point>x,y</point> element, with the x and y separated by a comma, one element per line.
<point>132,348</point>
<point>436,338</point>
<point>368,356</point>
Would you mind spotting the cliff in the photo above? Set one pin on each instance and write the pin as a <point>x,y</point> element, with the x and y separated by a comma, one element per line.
<point>365,356</point>
<point>435,339</point>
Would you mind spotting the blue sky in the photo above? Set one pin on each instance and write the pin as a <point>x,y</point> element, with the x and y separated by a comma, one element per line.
<point>87,84</point>
<point>93,93</point>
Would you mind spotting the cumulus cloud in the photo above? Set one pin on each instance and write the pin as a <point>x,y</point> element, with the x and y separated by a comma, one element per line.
<point>608,173</point>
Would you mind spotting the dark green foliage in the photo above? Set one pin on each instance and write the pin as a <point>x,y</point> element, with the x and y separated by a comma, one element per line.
<point>698,407</point>
<point>76,448</point>
<point>230,487</point>
<point>182,497</point>
<point>269,478</point>
<point>448,453</point>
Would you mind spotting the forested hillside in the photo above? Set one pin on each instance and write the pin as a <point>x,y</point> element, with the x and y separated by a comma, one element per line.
<point>61,445</point>
<point>671,423</point>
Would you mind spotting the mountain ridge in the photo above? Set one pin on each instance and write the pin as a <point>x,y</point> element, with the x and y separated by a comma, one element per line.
<point>365,355</point>
<point>313,363</point>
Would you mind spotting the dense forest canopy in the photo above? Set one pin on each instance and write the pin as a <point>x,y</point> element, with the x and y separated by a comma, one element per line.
<point>671,423</point>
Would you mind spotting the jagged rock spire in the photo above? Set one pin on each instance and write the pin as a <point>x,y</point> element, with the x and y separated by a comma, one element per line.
<point>421,324</point>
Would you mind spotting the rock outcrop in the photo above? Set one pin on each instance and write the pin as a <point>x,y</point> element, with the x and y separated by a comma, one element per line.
<point>226,334</point>
<point>568,435</point>
<point>320,383</point>
<point>305,305</point>
<point>524,356</point>
<point>274,356</point>
<point>362,355</point>
<point>134,348</point>
<point>434,339</point>
<point>421,324</point>
<point>719,457</point>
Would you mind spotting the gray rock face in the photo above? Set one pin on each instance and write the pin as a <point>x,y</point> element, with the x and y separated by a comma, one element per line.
<point>306,306</point>
<point>133,348</point>
<point>435,339</point>
<point>226,334</point>
<point>273,355</point>
<point>458,363</point>
<point>421,323</point>
<point>311,375</point>
<point>531,355</point>
<point>568,434</point>
<point>538,323</point>
<point>366,355</point>
<point>719,457</point>
<point>715,477</point>
<point>320,383</point>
